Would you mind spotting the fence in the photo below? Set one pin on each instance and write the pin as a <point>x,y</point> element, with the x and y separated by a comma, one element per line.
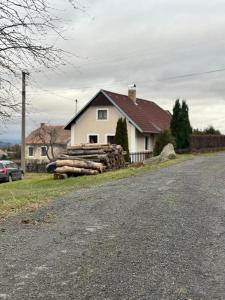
<point>136,157</point>
<point>207,142</point>
<point>36,166</point>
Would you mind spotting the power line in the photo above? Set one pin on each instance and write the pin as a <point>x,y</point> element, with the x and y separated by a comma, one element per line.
<point>116,83</point>
<point>192,74</point>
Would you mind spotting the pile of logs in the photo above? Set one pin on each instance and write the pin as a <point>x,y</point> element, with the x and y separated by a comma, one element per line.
<point>88,159</point>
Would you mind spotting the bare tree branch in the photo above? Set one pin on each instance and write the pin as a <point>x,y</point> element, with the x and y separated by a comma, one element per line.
<point>24,28</point>
<point>47,135</point>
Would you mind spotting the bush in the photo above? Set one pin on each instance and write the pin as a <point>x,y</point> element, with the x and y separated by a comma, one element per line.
<point>165,137</point>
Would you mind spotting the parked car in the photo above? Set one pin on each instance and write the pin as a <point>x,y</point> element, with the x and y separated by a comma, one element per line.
<point>9,171</point>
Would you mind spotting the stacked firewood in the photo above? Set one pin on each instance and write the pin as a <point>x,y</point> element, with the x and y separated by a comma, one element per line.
<point>87,159</point>
<point>111,156</point>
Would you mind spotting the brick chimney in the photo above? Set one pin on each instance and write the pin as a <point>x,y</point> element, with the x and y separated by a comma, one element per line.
<point>132,92</point>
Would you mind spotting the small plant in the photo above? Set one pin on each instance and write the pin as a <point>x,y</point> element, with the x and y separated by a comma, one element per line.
<point>165,137</point>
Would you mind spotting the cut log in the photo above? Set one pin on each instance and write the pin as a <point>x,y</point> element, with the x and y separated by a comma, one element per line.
<point>73,170</point>
<point>60,176</point>
<point>85,164</point>
<point>88,146</point>
<point>85,151</point>
<point>85,156</point>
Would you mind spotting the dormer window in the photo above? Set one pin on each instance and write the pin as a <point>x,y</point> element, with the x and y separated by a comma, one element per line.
<point>102,114</point>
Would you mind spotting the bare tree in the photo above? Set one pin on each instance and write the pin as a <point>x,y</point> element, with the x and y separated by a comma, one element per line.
<point>47,135</point>
<point>24,43</point>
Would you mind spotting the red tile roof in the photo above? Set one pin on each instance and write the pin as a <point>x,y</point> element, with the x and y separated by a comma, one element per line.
<point>146,115</point>
<point>43,134</point>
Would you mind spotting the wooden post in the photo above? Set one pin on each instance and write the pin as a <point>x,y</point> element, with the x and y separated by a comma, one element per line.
<point>23,129</point>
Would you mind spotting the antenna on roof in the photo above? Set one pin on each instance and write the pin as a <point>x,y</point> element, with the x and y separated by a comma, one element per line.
<point>76,101</point>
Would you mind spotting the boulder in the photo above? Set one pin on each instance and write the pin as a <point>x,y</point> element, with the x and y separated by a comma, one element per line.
<point>166,154</point>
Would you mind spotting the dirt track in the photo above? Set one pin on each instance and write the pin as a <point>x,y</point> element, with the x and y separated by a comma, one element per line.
<point>160,235</point>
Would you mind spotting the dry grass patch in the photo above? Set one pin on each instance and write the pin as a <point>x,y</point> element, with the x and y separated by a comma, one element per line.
<point>37,189</point>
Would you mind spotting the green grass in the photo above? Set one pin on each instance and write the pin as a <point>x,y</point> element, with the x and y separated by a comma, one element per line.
<point>37,189</point>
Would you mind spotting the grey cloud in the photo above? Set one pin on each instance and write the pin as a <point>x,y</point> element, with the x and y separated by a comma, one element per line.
<point>119,42</point>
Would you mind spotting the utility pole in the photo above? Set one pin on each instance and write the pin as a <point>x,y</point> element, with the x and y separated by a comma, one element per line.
<point>23,129</point>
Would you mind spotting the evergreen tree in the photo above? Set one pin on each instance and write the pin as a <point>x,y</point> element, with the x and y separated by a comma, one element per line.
<point>125,140</point>
<point>119,132</point>
<point>212,131</point>
<point>180,125</point>
<point>207,131</point>
<point>121,137</point>
<point>175,124</point>
<point>186,126</point>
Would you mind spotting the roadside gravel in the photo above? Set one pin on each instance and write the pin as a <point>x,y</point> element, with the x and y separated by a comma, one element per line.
<point>158,235</point>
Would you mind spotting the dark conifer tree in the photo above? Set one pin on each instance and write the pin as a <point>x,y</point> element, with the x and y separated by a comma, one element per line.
<point>180,125</point>
<point>119,132</point>
<point>186,126</point>
<point>175,124</point>
<point>121,137</point>
<point>125,140</point>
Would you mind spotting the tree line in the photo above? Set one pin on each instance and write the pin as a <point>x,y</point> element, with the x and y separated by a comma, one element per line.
<point>180,129</point>
<point>179,133</point>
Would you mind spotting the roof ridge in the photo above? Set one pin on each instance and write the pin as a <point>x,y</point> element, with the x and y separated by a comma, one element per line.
<point>146,116</point>
<point>127,96</point>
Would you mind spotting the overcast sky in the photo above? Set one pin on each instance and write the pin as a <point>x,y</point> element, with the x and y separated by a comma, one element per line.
<point>119,42</point>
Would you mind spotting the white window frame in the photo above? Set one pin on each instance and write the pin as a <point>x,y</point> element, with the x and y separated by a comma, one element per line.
<point>30,147</point>
<point>108,134</point>
<point>102,108</point>
<point>90,134</point>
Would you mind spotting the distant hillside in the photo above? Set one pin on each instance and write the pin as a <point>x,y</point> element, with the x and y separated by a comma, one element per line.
<point>4,144</point>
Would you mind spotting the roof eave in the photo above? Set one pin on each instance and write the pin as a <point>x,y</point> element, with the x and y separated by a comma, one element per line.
<point>68,125</point>
<point>150,132</point>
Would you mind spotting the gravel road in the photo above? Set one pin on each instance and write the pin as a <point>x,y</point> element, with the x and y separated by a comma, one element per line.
<point>159,235</point>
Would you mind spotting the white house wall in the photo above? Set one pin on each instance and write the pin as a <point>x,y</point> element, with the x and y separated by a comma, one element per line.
<point>140,140</point>
<point>72,141</point>
<point>132,137</point>
<point>88,124</point>
<point>58,149</point>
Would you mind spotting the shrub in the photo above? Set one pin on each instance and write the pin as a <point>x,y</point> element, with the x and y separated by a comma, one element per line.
<point>165,137</point>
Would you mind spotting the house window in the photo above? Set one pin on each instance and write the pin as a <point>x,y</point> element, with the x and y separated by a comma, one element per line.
<point>43,151</point>
<point>93,139</point>
<point>146,143</point>
<point>31,151</point>
<point>102,114</point>
<point>110,139</point>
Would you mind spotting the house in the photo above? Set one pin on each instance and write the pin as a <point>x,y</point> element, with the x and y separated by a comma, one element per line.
<point>46,143</point>
<point>96,121</point>
<point>3,154</point>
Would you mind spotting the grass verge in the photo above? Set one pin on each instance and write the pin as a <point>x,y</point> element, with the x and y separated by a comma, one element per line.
<point>37,189</point>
